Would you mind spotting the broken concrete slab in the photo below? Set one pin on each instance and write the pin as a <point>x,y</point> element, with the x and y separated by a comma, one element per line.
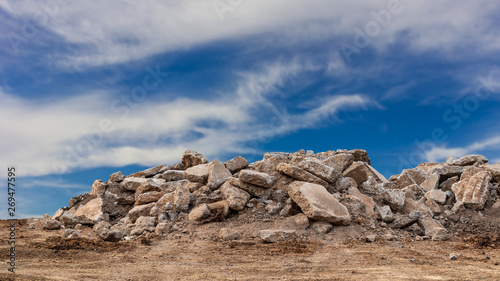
<point>473,192</point>
<point>360,171</point>
<point>318,204</point>
<point>257,178</point>
<point>299,174</point>
<point>277,235</point>
<point>217,174</point>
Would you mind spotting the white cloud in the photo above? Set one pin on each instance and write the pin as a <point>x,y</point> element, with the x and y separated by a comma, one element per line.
<point>438,153</point>
<point>45,138</point>
<point>120,31</point>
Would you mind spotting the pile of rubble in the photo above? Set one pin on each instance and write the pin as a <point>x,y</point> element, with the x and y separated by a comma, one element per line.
<point>318,190</point>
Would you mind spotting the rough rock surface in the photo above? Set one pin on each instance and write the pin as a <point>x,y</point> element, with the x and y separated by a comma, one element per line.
<point>192,158</point>
<point>360,171</point>
<point>257,178</point>
<point>282,197</point>
<point>198,173</point>
<point>236,164</point>
<point>318,204</point>
<point>277,235</point>
<point>217,174</point>
<point>299,174</point>
<point>474,191</point>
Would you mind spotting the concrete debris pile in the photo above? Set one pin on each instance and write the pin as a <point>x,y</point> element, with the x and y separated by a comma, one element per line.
<point>319,191</point>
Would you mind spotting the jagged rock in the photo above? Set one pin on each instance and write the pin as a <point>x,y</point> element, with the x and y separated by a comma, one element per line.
<point>467,160</point>
<point>432,182</point>
<point>359,154</point>
<point>132,183</point>
<point>71,234</point>
<point>446,171</point>
<point>206,195</point>
<point>51,225</point>
<point>446,185</point>
<point>277,235</point>
<point>355,206</point>
<point>257,178</point>
<point>177,167</point>
<point>227,234</point>
<point>286,155</point>
<point>321,227</point>
<point>344,183</point>
<point>103,230</point>
<point>250,188</point>
<point>386,213</point>
<point>80,200</point>
<point>163,229</point>
<point>191,158</point>
<point>150,172</point>
<point>147,186</point>
<point>371,187</point>
<point>371,238</point>
<point>367,200</point>
<point>148,197</point>
<point>494,169</point>
<point>263,166</point>
<point>273,208</point>
<point>360,171</point>
<point>236,164</point>
<point>116,177</point>
<point>182,199</point>
<point>414,191</point>
<point>217,174</point>
<point>145,222</point>
<point>281,184</point>
<point>409,177</point>
<point>98,188</point>
<point>200,214</point>
<point>172,175</point>
<point>193,186</point>
<point>120,195</point>
<point>198,173</point>
<point>91,212</point>
<point>339,162</point>
<point>209,212</point>
<point>236,197</point>
<point>436,195</point>
<point>469,172</point>
<point>473,192</point>
<point>416,229</point>
<point>406,220</point>
<point>138,211</point>
<point>171,186</point>
<point>278,159</point>
<point>433,229</point>
<point>289,210</point>
<point>318,204</point>
<point>299,174</point>
<point>317,168</point>
<point>65,216</point>
<point>394,198</point>
<point>301,220</point>
<point>434,208</point>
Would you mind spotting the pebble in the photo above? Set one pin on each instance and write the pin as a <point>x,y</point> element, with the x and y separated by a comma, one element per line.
<point>453,257</point>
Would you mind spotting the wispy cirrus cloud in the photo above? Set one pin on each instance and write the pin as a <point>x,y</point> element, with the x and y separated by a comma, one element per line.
<point>121,31</point>
<point>439,153</point>
<point>60,133</point>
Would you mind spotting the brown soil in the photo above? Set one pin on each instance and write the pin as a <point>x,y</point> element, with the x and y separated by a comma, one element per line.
<point>196,255</point>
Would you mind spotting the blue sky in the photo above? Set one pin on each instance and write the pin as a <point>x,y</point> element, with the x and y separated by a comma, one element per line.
<point>87,89</point>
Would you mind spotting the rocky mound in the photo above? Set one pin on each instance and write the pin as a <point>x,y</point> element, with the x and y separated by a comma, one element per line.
<point>317,191</point>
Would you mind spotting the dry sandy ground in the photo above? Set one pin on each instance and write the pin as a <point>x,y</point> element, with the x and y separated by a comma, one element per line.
<point>181,257</point>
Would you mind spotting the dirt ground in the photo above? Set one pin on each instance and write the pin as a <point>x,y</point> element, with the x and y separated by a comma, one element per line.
<point>43,255</point>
